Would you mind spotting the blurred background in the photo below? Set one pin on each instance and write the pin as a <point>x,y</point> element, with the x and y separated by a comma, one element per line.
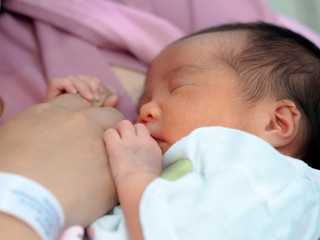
<point>306,12</point>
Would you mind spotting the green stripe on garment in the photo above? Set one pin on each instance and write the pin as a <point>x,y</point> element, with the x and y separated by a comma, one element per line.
<point>177,170</point>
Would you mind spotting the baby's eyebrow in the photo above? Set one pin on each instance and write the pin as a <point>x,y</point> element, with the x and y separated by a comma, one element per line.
<point>189,68</point>
<point>186,68</point>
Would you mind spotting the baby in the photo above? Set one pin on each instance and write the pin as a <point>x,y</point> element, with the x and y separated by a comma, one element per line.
<point>241,103</point>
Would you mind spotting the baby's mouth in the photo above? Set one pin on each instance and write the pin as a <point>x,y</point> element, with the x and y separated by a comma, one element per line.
<point>159,141</point>
<point>162,144</point>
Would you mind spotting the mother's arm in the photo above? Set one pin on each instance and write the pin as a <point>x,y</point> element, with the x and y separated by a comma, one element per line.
<point>59,144</point>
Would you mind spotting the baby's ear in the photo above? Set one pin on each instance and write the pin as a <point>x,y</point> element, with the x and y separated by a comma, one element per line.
<point>284,124</point>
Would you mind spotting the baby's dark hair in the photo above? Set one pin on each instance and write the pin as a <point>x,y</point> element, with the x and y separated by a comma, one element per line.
<point>279,62</point>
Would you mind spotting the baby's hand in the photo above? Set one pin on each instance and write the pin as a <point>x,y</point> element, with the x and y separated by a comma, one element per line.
<point>132,152</point>
<point>88,87</point>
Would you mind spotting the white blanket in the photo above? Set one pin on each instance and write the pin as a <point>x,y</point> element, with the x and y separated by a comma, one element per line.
<point>240,188</point>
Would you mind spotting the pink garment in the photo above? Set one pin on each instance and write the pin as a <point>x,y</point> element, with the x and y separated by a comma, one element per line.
<point>44,39</point>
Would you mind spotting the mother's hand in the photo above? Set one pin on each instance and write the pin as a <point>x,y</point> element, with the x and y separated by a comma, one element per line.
<point>59,144</point>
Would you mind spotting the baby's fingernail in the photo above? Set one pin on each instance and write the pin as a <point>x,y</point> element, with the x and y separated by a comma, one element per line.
<point>97,96</point>
<point>89,95</point>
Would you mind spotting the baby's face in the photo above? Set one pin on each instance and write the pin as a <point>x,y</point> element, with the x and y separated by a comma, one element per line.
<point>189,86</point>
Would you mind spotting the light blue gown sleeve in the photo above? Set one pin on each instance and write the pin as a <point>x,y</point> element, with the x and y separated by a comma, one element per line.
<point>240,188</point>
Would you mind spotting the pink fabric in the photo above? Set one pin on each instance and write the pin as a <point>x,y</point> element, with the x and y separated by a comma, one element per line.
<point>61,38</point>
<point>43,39</point>
<point>193,15</point>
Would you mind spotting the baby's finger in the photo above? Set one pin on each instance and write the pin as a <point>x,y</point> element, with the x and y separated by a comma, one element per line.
<point>141,130</point>
<point>125,129</point>
<point>111,135</point>
<point>58,86</point>
<point>94,85</point>
<point>82,87</point>
<point>64,85</point>
<point>110,101</point>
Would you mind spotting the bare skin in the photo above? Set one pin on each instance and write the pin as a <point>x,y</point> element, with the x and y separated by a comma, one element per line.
<point>76,159</point>
<point>132,177</point>
<point>187,88</point>
<point>128,139</point>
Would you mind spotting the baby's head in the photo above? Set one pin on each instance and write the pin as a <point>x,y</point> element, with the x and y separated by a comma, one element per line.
<point>255,77</point>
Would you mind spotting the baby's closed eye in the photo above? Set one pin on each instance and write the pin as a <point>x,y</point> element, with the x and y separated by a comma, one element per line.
<point>176,85</point>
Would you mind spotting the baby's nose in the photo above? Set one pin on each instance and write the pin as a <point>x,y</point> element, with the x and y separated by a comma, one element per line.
<point>149,112</point>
